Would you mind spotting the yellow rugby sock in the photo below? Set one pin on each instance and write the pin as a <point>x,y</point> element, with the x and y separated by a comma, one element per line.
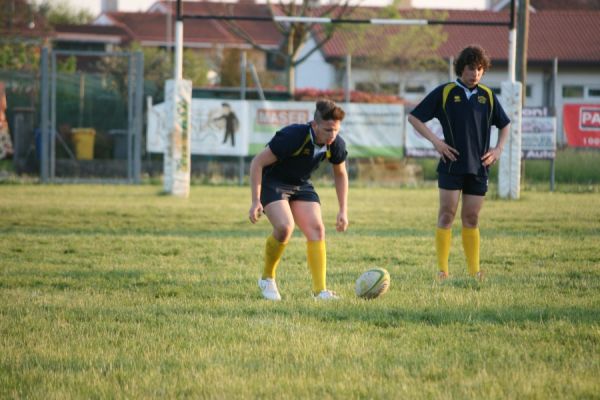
<point>470,240</point>
<point>273,251</point>
<point>317,263</point>
<point>443,238</point>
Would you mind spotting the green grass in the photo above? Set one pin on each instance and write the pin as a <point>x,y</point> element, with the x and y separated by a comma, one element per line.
<point>120,292</point>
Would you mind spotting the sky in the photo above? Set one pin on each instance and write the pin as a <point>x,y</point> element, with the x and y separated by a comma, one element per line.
<point>142,5</point>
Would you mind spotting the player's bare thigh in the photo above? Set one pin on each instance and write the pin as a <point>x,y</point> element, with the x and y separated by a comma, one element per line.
<point>281,218</point>
<point>307,215</point>
<point>448,205</point>
<point>471,207</point>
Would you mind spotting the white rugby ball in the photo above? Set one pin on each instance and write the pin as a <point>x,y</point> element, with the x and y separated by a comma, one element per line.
<point>372,283</point>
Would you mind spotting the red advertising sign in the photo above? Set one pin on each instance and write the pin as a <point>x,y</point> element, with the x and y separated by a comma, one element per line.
<point>582,124</point>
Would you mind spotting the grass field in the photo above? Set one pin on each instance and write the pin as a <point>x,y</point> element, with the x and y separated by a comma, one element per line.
<point>120,292</point>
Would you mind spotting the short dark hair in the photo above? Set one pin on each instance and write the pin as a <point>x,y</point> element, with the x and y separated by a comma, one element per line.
<point>473,55</point>
<point>327,110</point>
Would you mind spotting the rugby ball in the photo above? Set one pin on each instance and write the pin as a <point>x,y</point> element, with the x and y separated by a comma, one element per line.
<point>372,283</point>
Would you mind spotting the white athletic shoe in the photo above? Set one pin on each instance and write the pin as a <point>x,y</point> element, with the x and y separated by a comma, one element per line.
<point>268,288</point>
<point>326,295</point>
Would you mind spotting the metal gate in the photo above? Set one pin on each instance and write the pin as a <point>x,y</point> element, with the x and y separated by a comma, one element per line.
<point>91,120</point>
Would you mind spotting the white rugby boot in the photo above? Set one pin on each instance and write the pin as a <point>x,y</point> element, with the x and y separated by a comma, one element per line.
<point>326,295</point>
<point>268,287</point>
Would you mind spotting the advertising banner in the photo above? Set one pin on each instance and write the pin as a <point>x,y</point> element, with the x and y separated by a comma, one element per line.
<point>374,130</point>
<point>239,128</point>
<point>538,130</point>
<point>369,129</point>
<point>582,125</point>
<point>267,117</point>
<point>218,128</point>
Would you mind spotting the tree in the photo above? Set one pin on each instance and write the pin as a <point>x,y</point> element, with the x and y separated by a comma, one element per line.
<point>59,12</point>
<point>230,73</point>
<point>24,27</point>
<point>19,56</point>
<point>296,34</point>
<point>405,48</point>
<point>158,67</point>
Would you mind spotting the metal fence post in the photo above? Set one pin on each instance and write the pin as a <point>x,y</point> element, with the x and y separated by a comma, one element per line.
<point>139,111</point>
<point>44,120</point>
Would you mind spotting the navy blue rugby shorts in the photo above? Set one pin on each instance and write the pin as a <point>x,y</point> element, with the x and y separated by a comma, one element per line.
<point>468,183</point>
<point>274,191</point>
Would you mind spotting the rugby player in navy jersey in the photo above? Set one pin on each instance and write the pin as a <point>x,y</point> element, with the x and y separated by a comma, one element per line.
<point>466,110</point>
<point>282,190</point>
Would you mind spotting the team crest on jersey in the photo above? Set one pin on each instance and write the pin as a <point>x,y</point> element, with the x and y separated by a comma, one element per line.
<point>481,99</point>
<point>457,99</point>
<point>306,152</point>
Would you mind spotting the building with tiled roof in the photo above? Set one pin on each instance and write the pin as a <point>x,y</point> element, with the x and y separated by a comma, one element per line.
<point>539,5</point>
<point>18,20</point>
<point>565,35</point>
<point>91,37</point>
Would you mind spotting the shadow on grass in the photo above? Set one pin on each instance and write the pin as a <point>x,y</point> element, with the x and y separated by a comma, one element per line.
<point>444,316</point>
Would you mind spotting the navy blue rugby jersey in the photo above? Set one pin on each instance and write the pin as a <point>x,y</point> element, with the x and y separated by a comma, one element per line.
<point>466,123</point>
<point>295,151</point>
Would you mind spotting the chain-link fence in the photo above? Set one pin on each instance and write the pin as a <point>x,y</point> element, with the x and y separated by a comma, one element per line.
<point>78,117</point>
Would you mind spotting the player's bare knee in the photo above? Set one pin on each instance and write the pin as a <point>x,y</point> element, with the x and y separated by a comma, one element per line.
<point>319,232</point>
<point>315,232</point>
<point>470,220</point>
<point>445,218</point>
<point>283,232</point>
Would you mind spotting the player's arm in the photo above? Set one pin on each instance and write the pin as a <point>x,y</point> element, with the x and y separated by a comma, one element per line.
<point>340,177</point>
<point>493,154</point>
<point>261,160</point>
<point>447,152</point>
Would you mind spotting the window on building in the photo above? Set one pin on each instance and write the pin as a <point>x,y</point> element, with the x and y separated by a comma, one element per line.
<point>594,92</point>
<point>414,88</point>
<point>389,88</point>
<point>79,46</point>
<point>572,91</point>
<point>275,62</point>
<point>498,91</point>
<point>366,87</point>
<point>373,87</point>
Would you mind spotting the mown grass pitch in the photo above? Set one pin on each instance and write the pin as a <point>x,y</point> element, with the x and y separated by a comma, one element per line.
<point>120,292</point>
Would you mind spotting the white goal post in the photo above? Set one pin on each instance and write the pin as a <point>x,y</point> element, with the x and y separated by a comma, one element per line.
<point>178,95</point>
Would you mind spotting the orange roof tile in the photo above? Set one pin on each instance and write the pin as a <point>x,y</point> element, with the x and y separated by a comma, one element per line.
<point>569,35</point>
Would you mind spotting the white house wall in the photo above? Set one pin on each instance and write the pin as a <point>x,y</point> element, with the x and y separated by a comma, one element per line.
<point>314,72</point>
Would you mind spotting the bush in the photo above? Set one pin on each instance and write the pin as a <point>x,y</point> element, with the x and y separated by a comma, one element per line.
<point>339,96</point>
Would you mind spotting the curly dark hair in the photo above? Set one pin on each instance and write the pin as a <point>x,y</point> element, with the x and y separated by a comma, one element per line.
<point>327,110</point>
<point>473,55</point>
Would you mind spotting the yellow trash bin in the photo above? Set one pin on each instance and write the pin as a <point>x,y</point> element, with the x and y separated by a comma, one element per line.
<point>83,138</point>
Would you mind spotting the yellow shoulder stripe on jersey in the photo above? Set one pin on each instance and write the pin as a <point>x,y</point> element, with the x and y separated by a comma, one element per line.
<point>297,152</point>
<point>452,85</point>
<point>308,139</point>
<point>491,96</point>
<point>446,92</point>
